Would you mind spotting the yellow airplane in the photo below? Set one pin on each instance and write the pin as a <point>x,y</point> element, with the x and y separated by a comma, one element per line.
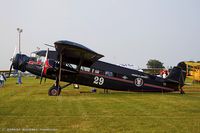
<point>193,70</point>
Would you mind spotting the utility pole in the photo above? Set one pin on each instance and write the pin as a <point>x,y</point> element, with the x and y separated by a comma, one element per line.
<point>19,81</point>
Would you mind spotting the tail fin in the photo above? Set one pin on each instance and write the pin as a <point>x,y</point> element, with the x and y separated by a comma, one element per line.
<point>178,74</point>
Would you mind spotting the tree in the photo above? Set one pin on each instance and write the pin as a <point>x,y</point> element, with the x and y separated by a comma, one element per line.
<point>153,63</point>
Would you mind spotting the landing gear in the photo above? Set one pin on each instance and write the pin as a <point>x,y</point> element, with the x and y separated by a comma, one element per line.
<point>182,91</point>
<point>54,91</point>
<point>56,88</point>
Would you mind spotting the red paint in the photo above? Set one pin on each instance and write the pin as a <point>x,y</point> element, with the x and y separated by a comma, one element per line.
<point>35,63</point>
<point>46,67</point>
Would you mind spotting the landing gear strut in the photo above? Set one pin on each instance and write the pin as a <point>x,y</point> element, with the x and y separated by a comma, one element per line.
<point>54,91</point>
<point>182,91</point>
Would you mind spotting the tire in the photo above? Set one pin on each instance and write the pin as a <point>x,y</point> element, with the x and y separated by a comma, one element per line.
<point>53,91</point>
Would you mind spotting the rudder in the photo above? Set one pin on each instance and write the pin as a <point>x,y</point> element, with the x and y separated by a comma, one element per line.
<point>178,74</point>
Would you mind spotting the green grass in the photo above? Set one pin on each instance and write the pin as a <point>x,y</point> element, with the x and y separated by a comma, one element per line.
<point>28,107</point>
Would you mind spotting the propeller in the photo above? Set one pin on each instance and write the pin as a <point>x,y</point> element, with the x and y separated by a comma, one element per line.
<point>11,66</point>
<point>12,58</point>
<point>44,65</point>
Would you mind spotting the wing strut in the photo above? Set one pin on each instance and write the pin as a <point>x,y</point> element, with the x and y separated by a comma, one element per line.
<point>56,88</point>
<point>80,63</point>
<point>58,76</point>
<point>60,69</point>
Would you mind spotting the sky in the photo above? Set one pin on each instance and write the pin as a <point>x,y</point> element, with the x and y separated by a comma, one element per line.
<point>124,31</point>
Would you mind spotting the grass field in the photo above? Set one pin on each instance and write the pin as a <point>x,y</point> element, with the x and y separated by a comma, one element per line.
<point>27,107</point>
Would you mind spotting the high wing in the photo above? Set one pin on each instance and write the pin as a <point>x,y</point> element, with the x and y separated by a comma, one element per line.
<point>75,53</point>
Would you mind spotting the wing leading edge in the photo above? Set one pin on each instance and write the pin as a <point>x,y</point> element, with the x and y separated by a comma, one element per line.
<point>74,53</point>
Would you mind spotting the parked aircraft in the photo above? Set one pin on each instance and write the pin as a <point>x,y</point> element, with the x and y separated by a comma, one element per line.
<point>193,70</point>
<point>76,64</point>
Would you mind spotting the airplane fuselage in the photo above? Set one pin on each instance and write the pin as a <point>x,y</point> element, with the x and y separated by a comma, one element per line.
<point>123,79</point>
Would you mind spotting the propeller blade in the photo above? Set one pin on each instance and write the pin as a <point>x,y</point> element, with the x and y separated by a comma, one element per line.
<point>14,53</point>
<point>12,58</point>
<point>11,66</point>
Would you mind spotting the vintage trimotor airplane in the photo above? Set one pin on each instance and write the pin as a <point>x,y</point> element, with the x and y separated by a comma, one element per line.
<point>76,64</point>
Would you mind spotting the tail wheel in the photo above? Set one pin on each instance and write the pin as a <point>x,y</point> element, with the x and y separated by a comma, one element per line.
<point>54,91</point>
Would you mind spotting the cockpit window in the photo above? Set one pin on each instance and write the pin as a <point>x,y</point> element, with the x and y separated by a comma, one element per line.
<point>39,59</point>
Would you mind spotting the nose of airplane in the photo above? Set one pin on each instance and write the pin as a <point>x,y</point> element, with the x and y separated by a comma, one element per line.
<point>19,62</point>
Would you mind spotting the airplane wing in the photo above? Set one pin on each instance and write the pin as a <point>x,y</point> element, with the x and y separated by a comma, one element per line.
<point>75,53</point>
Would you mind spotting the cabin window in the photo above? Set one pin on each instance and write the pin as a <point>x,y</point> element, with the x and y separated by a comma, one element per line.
<point>87,69</point>
<point>72,66</point>
<point>110,74</point>
<point>96,71</point>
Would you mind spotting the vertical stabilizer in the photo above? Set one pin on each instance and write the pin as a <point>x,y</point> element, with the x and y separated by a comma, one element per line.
<point>178,74</point>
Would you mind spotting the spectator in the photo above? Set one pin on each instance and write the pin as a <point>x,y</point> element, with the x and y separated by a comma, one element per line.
<point>2,79</point>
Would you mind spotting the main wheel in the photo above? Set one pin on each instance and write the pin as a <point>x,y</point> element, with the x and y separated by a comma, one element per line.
<point>54,91</point>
